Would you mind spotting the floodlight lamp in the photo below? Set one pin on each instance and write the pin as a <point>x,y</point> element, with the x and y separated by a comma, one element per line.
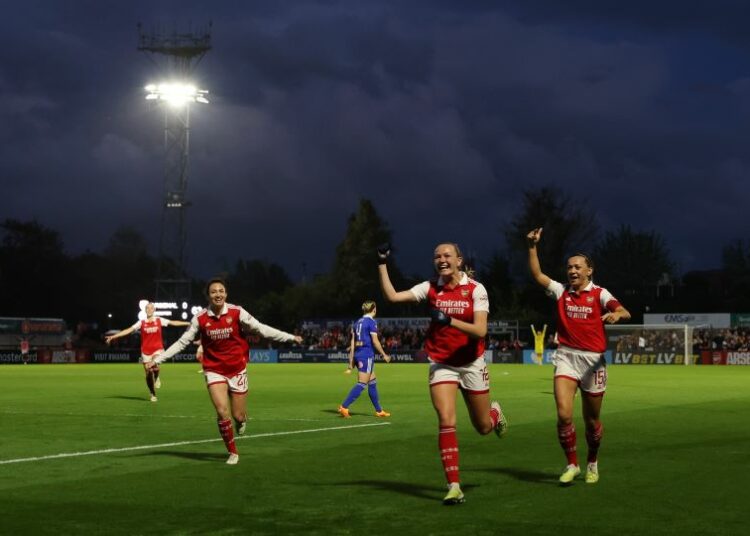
<point>176,94</point>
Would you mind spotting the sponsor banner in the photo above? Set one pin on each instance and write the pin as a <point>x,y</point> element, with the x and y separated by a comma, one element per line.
<point>115,357</point>
<point>738,358</point>
<point>264,356</point>
<point>11,326</point>
<point>506,356</point>
<point>338,356</point>
<point>667,357</point>
<point>182,357</point>
<point>323,324</point>
<point>716,320</point>
<point>410,356</point>
<point>530,357</point>
<point>295,356</point>
<point>10,358</point>
<point>741,320</point>
<point>723,357</point>
<point>32,326</point>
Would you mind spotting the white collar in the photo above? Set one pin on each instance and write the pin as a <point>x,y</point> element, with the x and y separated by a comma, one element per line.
<point>463,281</point>
<point>587,288</point>
<point>223,311</point>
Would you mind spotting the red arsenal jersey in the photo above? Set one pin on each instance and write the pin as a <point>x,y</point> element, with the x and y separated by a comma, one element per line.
<point>151,339</point>
<point>446,344</point>
<point>579,315</point>
<point>225,349</point>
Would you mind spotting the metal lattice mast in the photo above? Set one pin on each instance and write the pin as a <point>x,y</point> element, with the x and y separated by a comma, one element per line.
<point>176,55</point>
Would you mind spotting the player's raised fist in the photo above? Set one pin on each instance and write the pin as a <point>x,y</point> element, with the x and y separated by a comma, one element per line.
<point>440,317</point>
<point>384,250</point>
<point>534,236</point>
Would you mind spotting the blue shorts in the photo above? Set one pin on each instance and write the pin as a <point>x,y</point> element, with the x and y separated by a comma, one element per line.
<point>365,364</point>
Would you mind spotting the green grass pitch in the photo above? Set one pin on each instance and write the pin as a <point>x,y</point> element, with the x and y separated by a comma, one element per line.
<point>675,457</point>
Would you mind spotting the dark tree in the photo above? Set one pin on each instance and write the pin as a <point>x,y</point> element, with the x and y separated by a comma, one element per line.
<point>354,277</point>
<point>736,267</point>
<point>632,262</point>
<point>33,270</point>
<point>569,227</point>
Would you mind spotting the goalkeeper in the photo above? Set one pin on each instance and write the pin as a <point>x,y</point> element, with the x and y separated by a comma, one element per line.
<point>582,310</point>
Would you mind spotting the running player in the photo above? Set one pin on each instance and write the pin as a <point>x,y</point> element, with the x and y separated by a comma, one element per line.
<point>582,310</point>
<point>362,350</point>
<point>25,346</point>
<point>152,343</point>
<point>225,356</point>
<point>455,344</point>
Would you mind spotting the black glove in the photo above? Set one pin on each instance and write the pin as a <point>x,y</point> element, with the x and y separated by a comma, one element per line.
<point>384,250</point>
<point>440,317</point>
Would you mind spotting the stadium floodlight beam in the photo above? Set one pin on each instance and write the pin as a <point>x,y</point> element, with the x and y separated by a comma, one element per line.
<point>176,54</point>
<point>176,94</point>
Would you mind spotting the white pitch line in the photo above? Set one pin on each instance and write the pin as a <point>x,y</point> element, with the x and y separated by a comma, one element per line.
<point>181,443</point>
<point>149,416</point>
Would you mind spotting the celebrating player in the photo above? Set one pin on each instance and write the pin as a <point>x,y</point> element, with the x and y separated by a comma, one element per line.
<point>225,354</point>
<point>455,345</point>
<point>582,309</point>
<point>362,349</point>
<point>152,343</point>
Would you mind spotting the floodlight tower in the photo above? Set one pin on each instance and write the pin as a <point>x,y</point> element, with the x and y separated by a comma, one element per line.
<point>176,55</point>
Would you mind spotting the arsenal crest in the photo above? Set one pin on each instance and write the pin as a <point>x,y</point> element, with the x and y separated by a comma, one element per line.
<point>589,299</point>
<point>229,320</point>
<point>465,293</point>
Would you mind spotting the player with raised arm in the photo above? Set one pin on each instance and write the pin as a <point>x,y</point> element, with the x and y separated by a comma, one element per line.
<point>582,310</point>
<point>455,345</point>
<point>222,328</point>
<point>152,343</point>
<point>364,344</point>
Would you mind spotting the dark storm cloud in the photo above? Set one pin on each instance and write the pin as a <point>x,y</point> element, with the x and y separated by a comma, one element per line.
<point>316,104</point>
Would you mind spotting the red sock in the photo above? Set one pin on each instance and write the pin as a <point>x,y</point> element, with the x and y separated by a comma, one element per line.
<point>594,439</point>
<point>566,434</point>
<point>225,429</point>
<point>448,443</point>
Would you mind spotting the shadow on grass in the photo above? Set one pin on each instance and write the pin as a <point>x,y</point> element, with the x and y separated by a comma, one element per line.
<point>200,456</point>
<point>525,475</point>
<point>352,413</point>
<point>431,493</point>
<point>137,398</point>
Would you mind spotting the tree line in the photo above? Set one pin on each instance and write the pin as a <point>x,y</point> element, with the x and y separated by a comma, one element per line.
<point>38,279</point>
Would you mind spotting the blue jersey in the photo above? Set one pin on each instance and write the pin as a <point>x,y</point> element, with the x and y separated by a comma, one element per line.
<point>362,329</point>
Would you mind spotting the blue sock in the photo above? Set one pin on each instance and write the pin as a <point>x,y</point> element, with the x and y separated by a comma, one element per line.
<point>353,394</point>
<point>372,390</point>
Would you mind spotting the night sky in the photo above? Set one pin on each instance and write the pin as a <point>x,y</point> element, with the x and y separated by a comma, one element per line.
<point>440,112</point>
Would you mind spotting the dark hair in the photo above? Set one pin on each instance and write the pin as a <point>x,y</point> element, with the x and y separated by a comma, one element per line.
<point>586,258</point>
<point>219,280</point>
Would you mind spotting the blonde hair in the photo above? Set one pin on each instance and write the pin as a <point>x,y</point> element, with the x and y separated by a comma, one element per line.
<point>368,306</point>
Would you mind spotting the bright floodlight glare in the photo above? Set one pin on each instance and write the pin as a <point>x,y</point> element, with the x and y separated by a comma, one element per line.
<point>176,94</point>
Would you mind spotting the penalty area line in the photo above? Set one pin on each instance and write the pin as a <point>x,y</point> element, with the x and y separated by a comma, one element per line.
<point>182,443</point>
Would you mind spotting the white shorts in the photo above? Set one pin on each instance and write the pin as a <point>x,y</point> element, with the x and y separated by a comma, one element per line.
<point>588,369</point>
<point>148,358</point>
<point>473,378</point>
<point>237,383</point>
